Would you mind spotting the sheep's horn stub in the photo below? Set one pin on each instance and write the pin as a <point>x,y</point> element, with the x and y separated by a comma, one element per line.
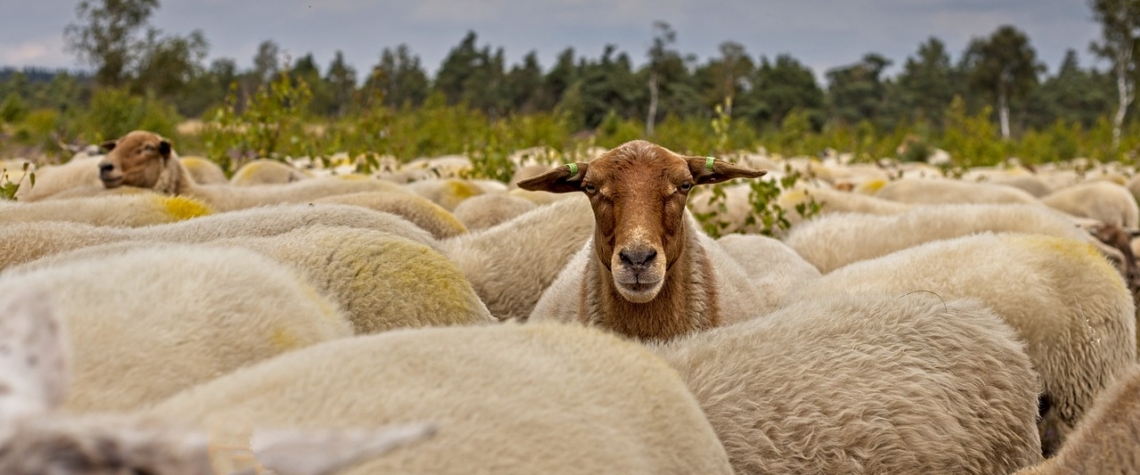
<point>563,179</point>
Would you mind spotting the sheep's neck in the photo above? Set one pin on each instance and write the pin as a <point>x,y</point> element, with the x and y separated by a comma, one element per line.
<point>686,303</point>
<point>174,179</point>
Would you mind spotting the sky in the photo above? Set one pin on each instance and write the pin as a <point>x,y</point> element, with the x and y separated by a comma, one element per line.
<point>821,34</point>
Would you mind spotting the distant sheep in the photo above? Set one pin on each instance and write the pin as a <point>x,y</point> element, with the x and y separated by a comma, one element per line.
<point>447,193</point>
<point>26,242</point>
<point>487,210</point>
<point>773,267</point>
<point>1107,440</point>
<point>834,201</point>
<point>143,160</point>
<point>1100,200</point>
<point>146,324</point>
<point>1027,183</point>
<point>125,210</point>
<point>417,209</point>
<point>52,180</point>
<point>204,171</point>
<point>650,271</point>
<point>917,191</point>
<point>510,265</point>
<point>509,399</point>
<point>1065,300</point>
<point>36,439</point>
<point>831,242</point>
<point>267,172</point>
<point>866,384</point>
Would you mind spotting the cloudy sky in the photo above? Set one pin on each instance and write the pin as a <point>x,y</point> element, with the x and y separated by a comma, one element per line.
<point>821,33</point>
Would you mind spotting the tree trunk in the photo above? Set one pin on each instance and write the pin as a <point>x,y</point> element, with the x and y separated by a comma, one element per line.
<point>1003,114</point>
<point>1126,92</point>
<point>652,117</point>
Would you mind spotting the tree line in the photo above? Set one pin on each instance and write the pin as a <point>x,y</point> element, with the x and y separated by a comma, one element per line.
<point>999,75</point>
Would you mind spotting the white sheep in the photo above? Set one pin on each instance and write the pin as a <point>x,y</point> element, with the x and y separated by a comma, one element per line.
<point>127,210</point>
<point>25,242</point>
<point>649,272</point>
<point>1100,200</point>
<point>204,172</point>
<point>1061,295</point>
<point>773,267</point>
<point>832,201</point>
<point>1027,183</point>
<point>381,281</point>
<point>419,210</point>
<point>866,384</point>
<point>509,399</point>
<point>833,241</point>
<point>267,172</point>
<point>487,210</point>
<point>447,193</point>
<point>145,324</point>
<point>35,439</point>
<point>917,191</point>
<point>510,265</point>
<point>82,173</point>
<point>1107,439</point>
<point>144,160</point>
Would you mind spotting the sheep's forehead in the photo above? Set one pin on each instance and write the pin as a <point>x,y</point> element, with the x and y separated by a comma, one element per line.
<point>136,140</point>
<point>639,165</point>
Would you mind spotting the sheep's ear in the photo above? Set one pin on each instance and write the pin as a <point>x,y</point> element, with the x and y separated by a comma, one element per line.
<point>34,372</point>
<point>708,170</point>
<point>164,148</point>
<point>108,145</point>
<point>563,179</point>
<point>298,452</point>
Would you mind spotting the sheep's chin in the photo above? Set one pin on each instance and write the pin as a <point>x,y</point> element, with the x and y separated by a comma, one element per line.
<point>112,183</point>
<point>639,293</point>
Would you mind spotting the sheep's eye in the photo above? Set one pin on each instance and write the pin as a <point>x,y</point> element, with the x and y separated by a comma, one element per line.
<point>589,188</point>
<point>685,187</point>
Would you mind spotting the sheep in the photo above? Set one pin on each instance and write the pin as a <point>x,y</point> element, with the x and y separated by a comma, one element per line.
<point>917,191</point>
<point>1106,440</point>
<point>205,310</point>
<point>381,281</point>
<point>267,172</point>
<point>1100,200</point>
<point>1027,183</point>
<point>651,273</point>
<point>1065,300</point>
<point>447,193</point>
<point>417,209</point>
<point>204,171</point>
<point>866,384</point>
<point>143,160</point>
<point>51,180</point>
<point>537,197</point>
<point>509,399</point>
<point>833,241</point>
<point>25,242</point>
<point>773,267</point>
<point>126,211</point>
<point>834,201</point>
<point>487,210</point>
<point>36,439</point>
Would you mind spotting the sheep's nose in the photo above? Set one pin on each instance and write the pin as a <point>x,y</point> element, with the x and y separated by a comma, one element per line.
<point>106,167</point>
<point>637,258</point>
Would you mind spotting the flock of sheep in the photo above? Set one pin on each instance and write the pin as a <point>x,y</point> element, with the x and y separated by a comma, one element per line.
<point>157,318</point>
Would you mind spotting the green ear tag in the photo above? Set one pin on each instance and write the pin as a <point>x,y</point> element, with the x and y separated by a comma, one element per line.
<point>573,169</point>
<point>709,164</point>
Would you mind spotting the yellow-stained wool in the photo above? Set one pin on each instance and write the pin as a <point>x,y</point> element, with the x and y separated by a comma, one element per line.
<point>508,399</point>
<point>446,193</point>
<point>147,323</point>
<point>26,242</point>
<point>267,172</point>
<point>129,210</point>
<point>204,171</point>
<point>419,210</point>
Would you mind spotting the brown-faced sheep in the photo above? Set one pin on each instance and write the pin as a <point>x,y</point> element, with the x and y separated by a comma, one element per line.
<point>650,271</point>
<point>35,439</point>
<point>866,384</point>
<point>145,160</point>
<point>509,399</point>
<point>1061,295</point>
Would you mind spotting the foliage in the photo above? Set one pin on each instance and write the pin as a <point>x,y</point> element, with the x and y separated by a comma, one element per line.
<point>271,125</point>
<point>114,112</point>
<point>9,188</point>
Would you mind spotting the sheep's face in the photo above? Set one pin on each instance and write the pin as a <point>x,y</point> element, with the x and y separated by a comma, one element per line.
<point>136,159</point>
<point>638,191</point>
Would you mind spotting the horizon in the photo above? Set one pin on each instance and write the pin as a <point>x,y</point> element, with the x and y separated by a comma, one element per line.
<point>431,28</point>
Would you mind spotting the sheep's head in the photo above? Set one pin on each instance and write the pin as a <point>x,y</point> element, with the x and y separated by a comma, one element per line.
<point>638,191</point>
<point>136,159</point>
